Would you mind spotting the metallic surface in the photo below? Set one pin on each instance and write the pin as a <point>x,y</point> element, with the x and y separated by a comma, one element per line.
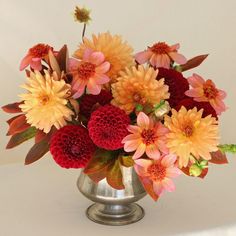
<point>113,207</point>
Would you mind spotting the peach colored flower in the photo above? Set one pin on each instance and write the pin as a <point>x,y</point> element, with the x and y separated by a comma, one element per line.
<point>161,55</point>
<point>206,91</point>
<point>190,134</point>
<point>35,56</point>
<point>148,136</point>
<point>158,172</point>
<point>90,72</point>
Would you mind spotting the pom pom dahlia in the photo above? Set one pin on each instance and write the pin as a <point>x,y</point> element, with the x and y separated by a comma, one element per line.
<point>147,137</point>
<point>138,86</point>
<point>116,52</point>
<point>158,173</point>
<point>88,101</point>
<point>206,91</point>
<point>190,134</point>
<point>189,103</point>
<point>46,100</point>
<point>178,85</point>
<point>71,147</point>
<point>90,73</point>
<point>160,55</point>
<point>35,56</point>
<point>108,126</point>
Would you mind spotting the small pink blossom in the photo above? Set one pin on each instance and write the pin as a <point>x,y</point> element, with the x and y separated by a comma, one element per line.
<point>147,136</point>
<point>161,55</point>
<point>35,56</point>
<point>89,73</point>
<point>206,91</point>
<point>158,173</point>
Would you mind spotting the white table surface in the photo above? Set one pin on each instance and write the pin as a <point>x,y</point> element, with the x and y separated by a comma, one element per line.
<point>42,199</point>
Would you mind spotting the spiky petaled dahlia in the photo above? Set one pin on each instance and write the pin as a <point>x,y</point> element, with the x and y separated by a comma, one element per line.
<point>35,56</point>
<point>88,101</point>
<point>161,55</point>
<point>178,85</point>
<point>82,15</point>
<point>116,52</point>
<point>190,134</point>
<point>71,146</point>
<point>138,86</point>
<point>108,126</point>
<point>46,100</point>
<point>189,103</point>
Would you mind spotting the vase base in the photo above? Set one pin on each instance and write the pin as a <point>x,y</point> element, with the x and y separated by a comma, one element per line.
<point>115,215</point>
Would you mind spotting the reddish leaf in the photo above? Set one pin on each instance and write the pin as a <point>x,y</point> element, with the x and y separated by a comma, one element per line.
<point>218,157</point>
<point>97,177</point>
<point>148,186</point>
<point>204,173</point>
<point>12,119</point>
<point>62,58</point>
<point>18,125</point>
<point>126,161</point>
<point>27,72</point>
<point>194,62</point>
<point>98,162</point>
<point>12,108</point>
<point>114,175</point>
<point>36,152</point>
<point>40,135</point>
<point>19,138</point>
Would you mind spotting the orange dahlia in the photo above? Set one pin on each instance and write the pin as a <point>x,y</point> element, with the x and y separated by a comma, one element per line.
<point>138,86</point>
<point>190,134</point>
<point>116,52</point>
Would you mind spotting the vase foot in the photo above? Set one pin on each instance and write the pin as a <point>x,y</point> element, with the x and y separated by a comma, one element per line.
<point>115,215</point>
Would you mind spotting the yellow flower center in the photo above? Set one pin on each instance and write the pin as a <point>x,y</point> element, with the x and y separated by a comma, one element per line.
<point>86,70</point>
<point>44,99</point>
<point>157,172</point>
<point>160,48</point>
<point>210,90</point>
<point>40,50</point>
<point>148,136</point>
<point>138,99</point>
<point>188,129</point>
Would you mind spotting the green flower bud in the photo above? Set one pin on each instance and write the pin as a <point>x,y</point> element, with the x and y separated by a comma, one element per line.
<point>195,170</point>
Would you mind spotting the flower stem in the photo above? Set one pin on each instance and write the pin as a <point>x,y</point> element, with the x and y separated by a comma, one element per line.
<point>84,29</point>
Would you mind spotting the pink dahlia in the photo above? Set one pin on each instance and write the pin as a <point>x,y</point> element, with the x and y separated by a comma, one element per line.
<point>71,147</point>
<point>148,136</point>
<point>158,173</point>
<point>108,126</point>
<point>89,73</point>
<point>189,103</point>
<point>206,91</point>
<point>35,56</point>
<point>161,55</point>
<point>88,101</point>
<point>178,85</point>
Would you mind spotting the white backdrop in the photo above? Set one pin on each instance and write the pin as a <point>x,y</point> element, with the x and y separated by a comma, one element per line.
<point>203,26</point>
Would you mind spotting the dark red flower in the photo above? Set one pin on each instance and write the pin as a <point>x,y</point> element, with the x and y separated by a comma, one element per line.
<point>178,85</point>
<point>71,146</point>
<point>189,103</point>
<point>108,126</point>
<point>88,101</point>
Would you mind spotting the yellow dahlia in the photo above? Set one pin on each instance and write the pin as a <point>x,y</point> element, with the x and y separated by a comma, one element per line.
<point>116,52</point>
<point>190,134</point>
<point>46,100</point>
<point>138,86</point>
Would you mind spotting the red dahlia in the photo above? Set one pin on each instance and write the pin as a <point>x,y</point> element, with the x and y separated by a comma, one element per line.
<point>178,85</point>
<point>71,147</point>
<point>189,103</point>
<point>88,101</point>
<point>108,126</point>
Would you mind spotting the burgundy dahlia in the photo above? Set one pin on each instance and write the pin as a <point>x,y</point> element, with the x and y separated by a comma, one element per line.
<point>108,126</point>
<point>71,147</point>
<point>178,85</point>
<point>189,103</point>
<point>88,101</point>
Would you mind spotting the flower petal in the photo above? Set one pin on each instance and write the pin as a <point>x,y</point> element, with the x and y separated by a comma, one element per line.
<point>93,88</point>
<point>103,68</point>
<point>145,163</point>
<point>168,160</point>
<point>158,188</point>
<point>168,184</point>
<point>140,151</point>
<point>131,146</point>
<point>96,58</point>
<point>179,58</point>
<point>153,152</point>
<point>143,57</point>
<point>143,120</point>
<point>25,62</point>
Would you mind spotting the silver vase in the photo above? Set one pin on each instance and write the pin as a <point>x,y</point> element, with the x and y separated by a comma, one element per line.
<point>113,207</point>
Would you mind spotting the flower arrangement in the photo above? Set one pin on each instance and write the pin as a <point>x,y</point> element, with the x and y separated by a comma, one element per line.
<point>106,107</point>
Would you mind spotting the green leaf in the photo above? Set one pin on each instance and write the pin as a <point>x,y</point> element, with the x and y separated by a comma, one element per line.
<point>19,138</point>
<point>192,63</point>
<point>228,148</point>
<point>99,162</point>
<point>114,175</point>
<point>37,151</point>
<point>126,161</point>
